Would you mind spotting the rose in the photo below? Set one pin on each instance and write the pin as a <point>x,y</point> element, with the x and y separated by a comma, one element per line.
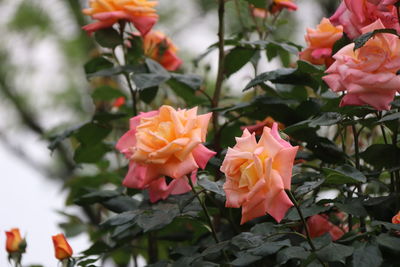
<point>396,218</point>
<point>257,174</point>
<point>13,240</point>
<point>319,225</point>
<point>369,74</point>
<point>258,128</point>
<point>62,249</point>
<point>160,48</point>
<point>108,12</point>
<point>278,5</point>
<point>320,43</point>
<point>353,15</point>
<point>166,142</point>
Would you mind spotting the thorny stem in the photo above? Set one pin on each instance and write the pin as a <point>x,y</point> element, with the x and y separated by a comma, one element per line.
<point>308,236</point>
<point>392,179</point>
<point>214,233</point>
<point>220,74</point>
<point>357,158</point>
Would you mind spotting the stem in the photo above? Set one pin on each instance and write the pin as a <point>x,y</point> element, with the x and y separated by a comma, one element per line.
<point>214,233</point>
<point>133,94</point>
<point>296,205</point>
<point>392,180</point>
<point>357,158</point>
<point>152,248</point>
<point>220,74</point>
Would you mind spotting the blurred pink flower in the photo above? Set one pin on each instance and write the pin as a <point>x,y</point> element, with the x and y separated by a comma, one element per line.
<point>353,15</point>
<point>319,225</point>
<point>369,74</point>
<point>257,174</point>
<point>108,12</point>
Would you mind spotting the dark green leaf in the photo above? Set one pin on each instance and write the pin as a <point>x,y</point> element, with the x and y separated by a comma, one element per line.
<point>148,94</point>
<point>122,218</point>
<point>96,197</point>
<point>381,156</point>
<point>212,186</point>
<point>387,225</point>
<point>90,154</point>
<point>354,207</point>
<point>388,241</point>
<point>108,37</point>
<point>92,133</point>
<point>237,58</point>
<point>326,119</point>
<point>215,248</point>
<point>335,252</point>
<point>308,187</point>
<point>57,139</point>
<point>151,220</point>
<point>245,260</point>
<point>307,212</point>
<point>120,204</point>
<point>390,117</point>
<point>149,80</point>
<point>247,240</point>
<point>362,39</point>
<point>106,93</point>
<point>291,253</point>
<point>269,248</point>
<point>367,255</point>
<point>344,174</point>
<point>192,80</point>
<point>97,64</point>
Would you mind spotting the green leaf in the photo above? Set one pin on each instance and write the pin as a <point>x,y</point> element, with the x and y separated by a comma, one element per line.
<point>57,139</point>
<point>339,44</point>
<point>97,64</point>
<point>362,39</point>
<point>92,133</point>
<point>308,187</point>
<point>354,207</point>
<point>269,248</point>
<point>155,67</point>
<point>193,81</point>
<point>344,174</point>
<point>245,260</point>
<point>307,212</point>
<point>237,58</point>
<point>326,119</point>
<point>90,154</point>
<point>335,252</point>
<point>106,93</point>
<point>148,94</point>
<point>151,220</point>
<point>381,156</point>
<point>149,80</point>
<point>108,37</point>
<point>388,241</point>
<point>291,253</point>
<point>257,3</point>
<point>387,225</point>
<point>120,204</point>
<point>367,255</point>
<point>215,248</point>
<point>247,240</point>
<point>122,218</point>
<point>212,186</point>
<point>390,117</point>
<point>95,197</point>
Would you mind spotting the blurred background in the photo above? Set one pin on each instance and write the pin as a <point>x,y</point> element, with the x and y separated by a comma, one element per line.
<point>43,91</point>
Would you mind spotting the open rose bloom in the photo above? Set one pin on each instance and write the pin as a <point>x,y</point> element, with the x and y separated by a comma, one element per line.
<point>320,43</point>
<point>160,48</point>
<point>257,174</point>
<point>166,142</point>
<point>368,75</point>
<point>354,15</point>
<point>108,12</point>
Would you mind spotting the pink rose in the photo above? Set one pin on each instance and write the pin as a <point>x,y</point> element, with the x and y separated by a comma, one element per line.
<point>108,12</point>
<point>368,75</point>
<point>319,225</point>
<point>166,142</point>
<point>257,174</point>
<point>353,15</point>
<point>320,43</point>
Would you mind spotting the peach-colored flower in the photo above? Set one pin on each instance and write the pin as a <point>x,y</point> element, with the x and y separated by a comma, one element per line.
<point>320,43</point>
<point>108,12</point>
<point>396,218</point>
<point>257,174</point>
<point>258,128</point>
<point>354,15</point>
<point>368,75</point>
<point>165,142</point>
<point>160,48</point>
<point>278,5</point>
<point>319,225</point>
<point>13,240</point>
<point>62,249</point>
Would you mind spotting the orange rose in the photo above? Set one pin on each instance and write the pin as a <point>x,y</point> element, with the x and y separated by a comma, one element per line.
<point>165,142</point>
<point>13,241</point>
<point>160,48</point>
<point>278,5</point>
<point>108,12</point>
<point>396,218</point>
<point>61,247</point>
<point>257,174</point>
<point>320,43</point>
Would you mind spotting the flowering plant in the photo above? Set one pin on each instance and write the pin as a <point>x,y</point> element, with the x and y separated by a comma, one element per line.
<point>300,168</point>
